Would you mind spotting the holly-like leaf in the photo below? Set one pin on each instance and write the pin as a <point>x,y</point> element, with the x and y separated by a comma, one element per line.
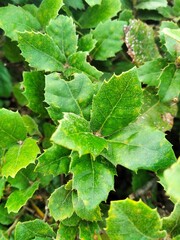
<point>34,84</point>
<point>89,230</point>
<point>89,181</point>
<point>134,149</point>
<point>74,133</point>
<point>139,39</point>
<point>69,96</point>
<point>169,87</point>
<point>48,10</point>
<point>31,229</point>
<point>150,4</point>
<point>63,32</point>
<point>67,232</point>
<point>83,212</point>
<point>109,36</point>
<point>99,13</point>
<point>133,220</point>
<point>5,82</point>
<point>86,43</point>
<point>12,129</point>
<point>109,108</point>
<point>40,51</point>
<point>16,19</point>
<point>55,160</point>
<point>18,198</point>
<point>20,156</point>
<point>60,204</point>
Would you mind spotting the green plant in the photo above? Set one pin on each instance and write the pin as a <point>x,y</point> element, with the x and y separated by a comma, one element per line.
<point>77,121</point>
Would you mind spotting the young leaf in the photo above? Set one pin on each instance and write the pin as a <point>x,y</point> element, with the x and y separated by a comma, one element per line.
<point>66,232</point>
<point>74,96</point>
<point>55,160</point>
<point>89,230</point>
<point>89,182</point>
<point>48,10</point>
<point>40,51</point>
<point>151,4</point>
<point>83,212</point>
<point>16,19</point>
<point>173,33</point>
<point>109,36</point>
<point>86,43</point>
<point>34,84</point>
<point>20,156</point>
<point>31,229</point>
<point>63,31</point>
<point>133,220</point>
<point>74,133</point>
<point>134,149</point>
<point>60,204</point>
<point>109,108</point>
<point>99,13</point>
<point>5,82</point>
<point>93,2</point>
<point>12,129</point>
<point>19,197</point>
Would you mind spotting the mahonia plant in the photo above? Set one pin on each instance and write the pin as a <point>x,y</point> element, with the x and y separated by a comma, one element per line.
<point>100,90</point>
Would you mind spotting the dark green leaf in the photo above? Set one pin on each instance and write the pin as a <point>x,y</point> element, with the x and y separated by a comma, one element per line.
<point>66,232</point>
<point>5,218</point>
<point>5,82</point>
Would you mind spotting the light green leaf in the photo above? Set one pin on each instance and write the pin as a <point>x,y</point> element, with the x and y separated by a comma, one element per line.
<point>55,160</point>
<point>31,125</point>
<point>173,33</point>
<point>31,229</point>
<point>66,232</point>
<point>5,82</point>
<point>93,2</point>
<point>5,218</point>
<point>69,96</point>
<point>3,235</point>
<point>134,149</point>
<point>77,64</point>
<point>172,223</point>
<point>12,129</point>
<point>20,156</point>
<point>72,221</point>
<point>18,198</point>
<point>86,43</point>
<point>16,19</point>
<point>40,51</point>
<point>139,39</point>
<point>48,10</point>
<point>89,180</point>
<point>149,72</point>
<point>60,204</point>
<point>74,133</point>
<point>78,4</point>
<point>63,31</point>
<point>169,87</point>
<point>34,84</point>
<point>99,13</point>
<point>133,220</point>
<point>150,4</point>
<point>89,230</point>
<point>110,38</point>
<point>109,108</point>
<point>83,212</point>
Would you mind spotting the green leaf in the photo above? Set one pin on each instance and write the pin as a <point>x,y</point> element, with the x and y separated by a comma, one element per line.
<point>48,10</point>
<point>133,220</point>
<point>3,235</point>
<point>60,204</point>
<point>5,82</point>
<point>34,84</point>
<point>110,38</point>
<point>16,19</point>
<point>134,149</point>
<point>86,43</point>
<point>2,186</point>
<point>173,33</point>
<point>20,156</point>
<point>78,4</point>
<point>12,129</point>
<point>169,87</point>
<point>74,133</point>
<point>63,31</point>
<point>99,13</point>
<point>109,108</point>
<point>18,198</point>
<point>93,2</point>
<point>89,181</point>
<point>11,51</point>
<point>139,39</point>
<point>31,229</point>
<point>150,4</point>
<point>5,218</point>
<point>77,64</point>
<point>66,232</point>
<point>149,72</point>
<point>72,221</point>
<point>31,125</point>
<point>40,51</point>
<point>172,223</point>
<point>83,212</point>
<point>55,160</point>
<point>89,230</point>
<point>74,96</point>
